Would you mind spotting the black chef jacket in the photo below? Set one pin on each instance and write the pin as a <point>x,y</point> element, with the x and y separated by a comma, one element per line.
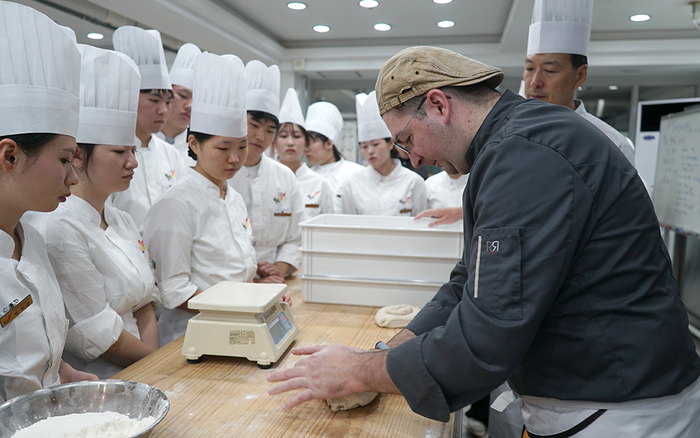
<point>565,286</point>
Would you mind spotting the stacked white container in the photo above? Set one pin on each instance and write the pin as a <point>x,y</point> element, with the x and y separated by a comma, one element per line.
<point>376,260</point>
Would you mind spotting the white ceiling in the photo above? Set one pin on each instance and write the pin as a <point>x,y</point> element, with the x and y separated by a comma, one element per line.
<point>662,51</point>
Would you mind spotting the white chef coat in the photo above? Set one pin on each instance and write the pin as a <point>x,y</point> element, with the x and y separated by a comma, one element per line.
<point>401,193</point>
<point>444,191</point>
<point>197,240</point>
<point>336,173</point>
<point>104,275</point>
<point>275,209</point>
<point>675,416</point>
<point>316,192</point>
<point>30,345</point>
<point>160,166</point>
<point>623,143</point>
<point>180,143</point>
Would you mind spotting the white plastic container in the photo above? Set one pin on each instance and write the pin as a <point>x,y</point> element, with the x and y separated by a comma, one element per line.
<point>366,292</point>
<point>382,235</point>
<point>376,260</point>
<point>376,267</point>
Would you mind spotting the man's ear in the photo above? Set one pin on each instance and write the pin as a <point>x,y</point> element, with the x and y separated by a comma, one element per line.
<point>439,103</point>
<point>78,159</point>
<point>9,154</point>
<point>581,75</point>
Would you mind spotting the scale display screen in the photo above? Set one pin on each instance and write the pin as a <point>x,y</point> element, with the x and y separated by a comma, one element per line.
<point>279,327</point>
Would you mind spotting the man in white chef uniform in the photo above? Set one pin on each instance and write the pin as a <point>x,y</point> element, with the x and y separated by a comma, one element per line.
<point>181,76</point>
<point>160,164</point>
<point>557,63</point>
<point>269,189</point>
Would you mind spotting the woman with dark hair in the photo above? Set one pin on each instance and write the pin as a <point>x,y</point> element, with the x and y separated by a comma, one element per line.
<point>95,249</point>
<point>290,143</point>
<point>324,123</point>
<point>198,233</point>
<point>39,114</point>
<point>385,187</point>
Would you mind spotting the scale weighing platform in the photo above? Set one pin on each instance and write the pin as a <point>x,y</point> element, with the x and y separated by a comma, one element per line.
<point>240,320</point>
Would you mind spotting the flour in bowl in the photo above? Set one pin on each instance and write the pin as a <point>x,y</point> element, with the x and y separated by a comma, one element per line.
<point>88,425</point>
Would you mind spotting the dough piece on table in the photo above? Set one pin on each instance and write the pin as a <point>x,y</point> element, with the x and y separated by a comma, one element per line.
<point>397,316</point>
<point>351,401</point>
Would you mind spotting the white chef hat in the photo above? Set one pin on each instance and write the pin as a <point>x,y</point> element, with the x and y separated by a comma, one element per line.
<point>146,49</point>
<point>324,118</point>
<point>182,71</point>
<point>560,26</point>
<point>370,125</point>
<point>40,74</point>
<point>263,88</point>
<point>219,96</point>
<point>290,111</point>
<point>109,97</point>
<point>70,32</point>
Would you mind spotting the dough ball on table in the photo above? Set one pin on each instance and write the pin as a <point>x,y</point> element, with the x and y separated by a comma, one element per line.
<point>397,316</point>
<point>351,401</point>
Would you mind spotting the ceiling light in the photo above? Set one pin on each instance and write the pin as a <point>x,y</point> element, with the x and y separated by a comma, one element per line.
<point>321,28</point>
<point>369,3</point>
<point>297,6</point>
<point>442,2</point>
<point>95,36</point>
<point>612,87</point>
<point>446,23</point>
<point>640,17</point>
<point>382,27</point>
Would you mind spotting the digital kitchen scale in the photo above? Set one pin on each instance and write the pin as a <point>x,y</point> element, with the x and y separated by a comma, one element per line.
<point>240,320</point>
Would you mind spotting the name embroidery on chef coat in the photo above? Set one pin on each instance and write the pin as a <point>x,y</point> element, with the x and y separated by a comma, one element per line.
<point>170,175</point>
<point>311,198</point>
<point>14,309</point>
<point>404,202</point>
<point>277,201</point>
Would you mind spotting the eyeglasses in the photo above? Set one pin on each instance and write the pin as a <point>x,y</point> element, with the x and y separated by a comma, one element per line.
<point>396,142</point>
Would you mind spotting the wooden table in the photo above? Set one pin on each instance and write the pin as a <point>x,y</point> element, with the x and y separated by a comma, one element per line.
<point>227,397</point>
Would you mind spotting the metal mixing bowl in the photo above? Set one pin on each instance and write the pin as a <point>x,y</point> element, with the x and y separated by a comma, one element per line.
<point>134,399</point>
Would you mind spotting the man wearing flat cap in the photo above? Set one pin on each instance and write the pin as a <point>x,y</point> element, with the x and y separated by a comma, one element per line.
<point>565,287</point>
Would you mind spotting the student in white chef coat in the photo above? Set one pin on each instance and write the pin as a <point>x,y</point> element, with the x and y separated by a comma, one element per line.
<point>96,250</point>
<point>446,190</point>
<point>290,142</point>
<point>324,123</point>
<point>39,114</point>
<point>385,187</point>
<point>160,164</point>
<point>270,189</point>
<point>181,74</point>
<point>207,237</point>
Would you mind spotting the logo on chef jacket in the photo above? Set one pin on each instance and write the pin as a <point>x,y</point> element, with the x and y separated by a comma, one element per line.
<point>311,203</point>
<point>246,224</point>
<point>280,198</point>
<point>492,246</point>
<point>405,201</point>
<point>143,246</point>
<point>170,175</point>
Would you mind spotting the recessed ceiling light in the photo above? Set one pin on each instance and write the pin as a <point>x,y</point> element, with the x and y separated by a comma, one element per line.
<point>297,6</point>
<point>446,23</point>
<point>369,3</point>
<point>95,36</point>
<point>612,87</point>
<point>640,17</point>
<point>321,28</point>
<point>382,27</point>
<point>442,2</point>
